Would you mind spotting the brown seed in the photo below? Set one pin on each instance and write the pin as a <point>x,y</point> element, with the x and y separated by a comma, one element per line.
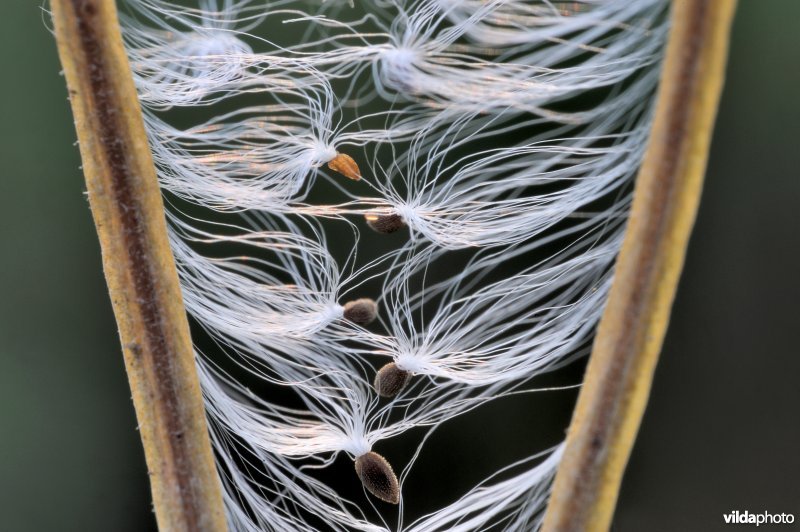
<point>361,311</point>
<point>345,165</point>
<point>390,380</point>
<point>377,476</point>
<point>385,223</point>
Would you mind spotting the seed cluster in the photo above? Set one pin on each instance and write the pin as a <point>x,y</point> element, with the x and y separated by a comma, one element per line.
<point>374,471</point>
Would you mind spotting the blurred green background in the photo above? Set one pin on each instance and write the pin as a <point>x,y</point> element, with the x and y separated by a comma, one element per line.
<point>722,431</point>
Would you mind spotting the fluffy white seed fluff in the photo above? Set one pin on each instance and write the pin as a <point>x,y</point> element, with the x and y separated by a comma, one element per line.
<point>503,134</point>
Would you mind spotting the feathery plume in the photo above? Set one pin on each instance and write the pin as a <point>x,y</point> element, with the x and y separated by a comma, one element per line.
<point>497,133</point>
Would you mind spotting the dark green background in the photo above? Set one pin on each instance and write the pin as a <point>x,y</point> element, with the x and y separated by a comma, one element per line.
<point>722,431</point>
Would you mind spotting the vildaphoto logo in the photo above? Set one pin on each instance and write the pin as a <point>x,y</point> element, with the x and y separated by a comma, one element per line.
<point>764,518</point>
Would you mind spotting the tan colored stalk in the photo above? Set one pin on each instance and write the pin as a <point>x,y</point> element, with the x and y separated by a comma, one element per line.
<point>630,335</point>
<point>139,267</point>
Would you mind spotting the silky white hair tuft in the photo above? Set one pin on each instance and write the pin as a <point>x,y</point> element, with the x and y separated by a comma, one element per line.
<point>492,146</point>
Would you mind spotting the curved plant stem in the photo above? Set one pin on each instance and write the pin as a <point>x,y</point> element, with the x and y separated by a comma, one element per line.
<point>139,267</point>
<point>630,334</point>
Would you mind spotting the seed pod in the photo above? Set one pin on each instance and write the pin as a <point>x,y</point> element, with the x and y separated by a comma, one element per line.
<point>378,477</point>
<point>345,165</point>
<point>385,223</point>
<point>361,311</point>
<point>390,380</point>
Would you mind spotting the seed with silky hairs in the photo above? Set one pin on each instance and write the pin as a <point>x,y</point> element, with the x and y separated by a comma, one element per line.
<point>345,165</point>
<point>385,223</point>
<point>390,380</point>
<point>378,477</point>
<point>361,311</point>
